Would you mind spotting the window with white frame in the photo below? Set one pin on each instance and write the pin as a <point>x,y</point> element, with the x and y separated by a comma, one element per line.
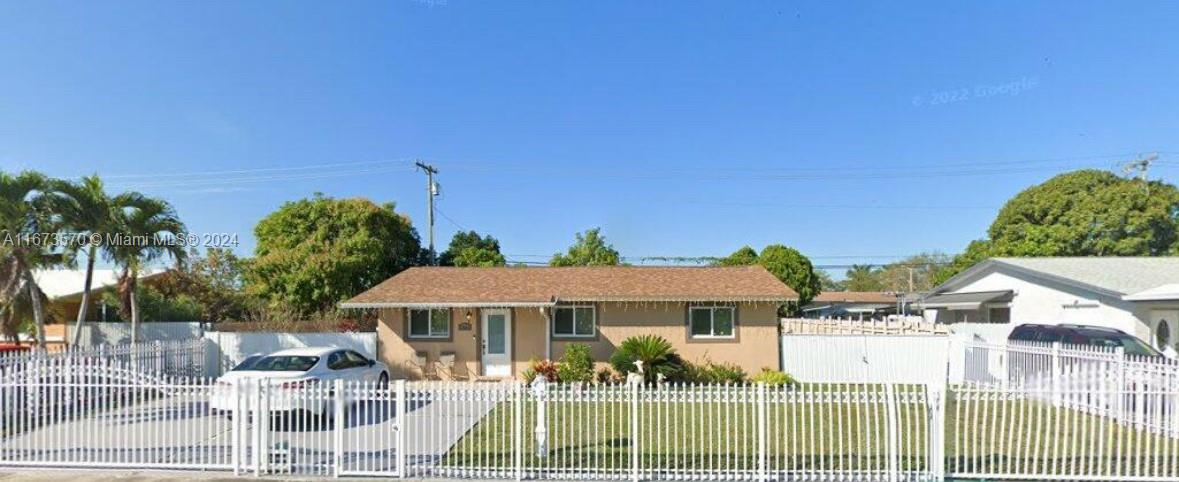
<point>575,321</point>
<point>433,323</point>
<point>712,321</point>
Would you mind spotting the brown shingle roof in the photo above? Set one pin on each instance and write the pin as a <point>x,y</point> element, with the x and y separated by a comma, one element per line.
<point>855,297</point>
<point>545,285</point>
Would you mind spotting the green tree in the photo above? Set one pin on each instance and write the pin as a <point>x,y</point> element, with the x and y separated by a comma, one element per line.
<point>87,209</point>
<point>590,249</point>
<point>212,280</point>
<point>744,256</point>
<point>976,252</point>
<point>26,215</point>
<point>827,283</point>
<point>785,263</point>
<point>862,277</point>
<point>1081,213</point>
<point>470,249</point>
<point>150,232</point>
<point>794,269</point>
<point>316,252</point>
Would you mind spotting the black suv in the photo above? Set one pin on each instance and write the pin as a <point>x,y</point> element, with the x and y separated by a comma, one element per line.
<point>1083,335</point>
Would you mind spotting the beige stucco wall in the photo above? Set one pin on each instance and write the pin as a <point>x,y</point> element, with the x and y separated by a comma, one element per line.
<point>755,345</point>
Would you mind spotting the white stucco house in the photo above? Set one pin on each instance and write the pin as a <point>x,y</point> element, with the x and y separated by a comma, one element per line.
<point>1138,295</point>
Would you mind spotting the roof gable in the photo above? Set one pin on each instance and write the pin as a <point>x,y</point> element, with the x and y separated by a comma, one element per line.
<point>1109,275</point>
<point>548,285</point>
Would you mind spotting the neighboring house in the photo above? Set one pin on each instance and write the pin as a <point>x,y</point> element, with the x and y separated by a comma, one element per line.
<point>857,305</point>
<point>469,323</point>
<point>63,287</point>
<point>1138,295</point>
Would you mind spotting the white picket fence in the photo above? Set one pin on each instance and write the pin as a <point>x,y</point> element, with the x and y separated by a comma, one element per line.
<point>1065,419</point>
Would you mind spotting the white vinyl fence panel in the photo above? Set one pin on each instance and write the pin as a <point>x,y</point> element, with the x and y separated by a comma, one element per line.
<point>233,347</point>
<point>866,358</point>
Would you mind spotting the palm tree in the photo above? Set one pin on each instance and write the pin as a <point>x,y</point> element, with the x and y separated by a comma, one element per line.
<point>149,232</point>
<point>87,209</point>
<point>25,214</point>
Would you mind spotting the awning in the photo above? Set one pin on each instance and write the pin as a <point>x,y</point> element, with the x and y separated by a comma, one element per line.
<point>967,301</point>
<point>1167,292</point>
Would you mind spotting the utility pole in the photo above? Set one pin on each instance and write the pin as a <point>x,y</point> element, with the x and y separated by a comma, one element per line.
<point>1142,166</point>
<point>431,191</point>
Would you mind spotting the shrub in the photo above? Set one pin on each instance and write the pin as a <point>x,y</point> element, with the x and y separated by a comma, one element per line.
<point>529,375</point>
<point>577,365</point>
<point>654,351</point>
<point>774,378</point>
<point>605,376</point>
<point>543,367</point>
<point>711,372</point>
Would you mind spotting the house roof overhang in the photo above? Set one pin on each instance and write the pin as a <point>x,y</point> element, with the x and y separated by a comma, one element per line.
<point>967,301</point>
<point>1169,292</point>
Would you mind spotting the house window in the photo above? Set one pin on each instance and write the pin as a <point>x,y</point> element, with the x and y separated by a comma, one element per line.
<point>711,321</point>
<point>999,315</point>
<point>433,323</point>
<point>1162,334</point>
<point>574,321</point>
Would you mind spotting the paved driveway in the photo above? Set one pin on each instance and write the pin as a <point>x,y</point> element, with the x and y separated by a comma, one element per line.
<point>183,430</point>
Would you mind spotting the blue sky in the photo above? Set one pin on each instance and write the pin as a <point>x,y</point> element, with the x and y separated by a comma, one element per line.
<point>855,132</point>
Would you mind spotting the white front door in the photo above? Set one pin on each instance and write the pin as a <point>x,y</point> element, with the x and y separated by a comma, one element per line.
<point>497,343</point>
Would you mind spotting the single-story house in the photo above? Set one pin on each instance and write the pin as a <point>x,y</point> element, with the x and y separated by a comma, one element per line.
<point>472,323</point>
<point>1138,295</point>
<point>63,287</point>
<point>859,305</point>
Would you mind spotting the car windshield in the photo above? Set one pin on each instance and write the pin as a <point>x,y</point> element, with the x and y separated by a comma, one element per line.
<point>247,364</point>
<point>285,363</point>
<point>1113,340</point>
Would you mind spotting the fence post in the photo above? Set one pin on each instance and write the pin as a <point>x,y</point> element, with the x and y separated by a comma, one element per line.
<point>1120,390</point>
<point>634,431</point>
<point>936,400</point>
<point>762,474</point>
<point>1057,375</point>
<point>338,421</point>
<point>540,391</point>
<point>236,425</point>
<point>402,427</point>
<point>892,429</point>
<point>518,429</point>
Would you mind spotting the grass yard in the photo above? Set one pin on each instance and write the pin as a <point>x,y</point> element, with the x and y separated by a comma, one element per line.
<point>811,428</point>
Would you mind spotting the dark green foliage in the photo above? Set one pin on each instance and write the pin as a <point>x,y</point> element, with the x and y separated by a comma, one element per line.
<point>1081,213</point>
<point>656,353</point>
<point>470,249</point>
<point>314,253</point>
<point>785,263</point>
<point>590,249</point>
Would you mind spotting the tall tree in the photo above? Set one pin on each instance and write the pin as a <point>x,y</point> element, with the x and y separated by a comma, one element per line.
<point>793,268</point>
<point>862,277</point>
<point>787,264</point>
<point>26,218</point>
<point>87,209</point>
<point>316,252</point>
<point>469,249</point>
<point>147,233</point>
<point>920,268</point>
<point>589,249</point>
<point>212,280</point>
<point>744,256</point>
<point>1081,213</point>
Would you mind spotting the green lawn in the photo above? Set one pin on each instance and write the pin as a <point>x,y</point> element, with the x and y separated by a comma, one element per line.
<point>823,432</point>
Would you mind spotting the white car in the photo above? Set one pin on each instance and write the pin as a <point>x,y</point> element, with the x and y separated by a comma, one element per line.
<point>298,379</point>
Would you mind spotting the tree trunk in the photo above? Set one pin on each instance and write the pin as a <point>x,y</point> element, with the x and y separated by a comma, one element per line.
<point>85,296</point>
<point>38,310</point>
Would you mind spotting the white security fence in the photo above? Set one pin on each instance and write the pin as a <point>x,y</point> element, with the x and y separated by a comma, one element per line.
<point>866,358</point>
<point>185,358</point>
